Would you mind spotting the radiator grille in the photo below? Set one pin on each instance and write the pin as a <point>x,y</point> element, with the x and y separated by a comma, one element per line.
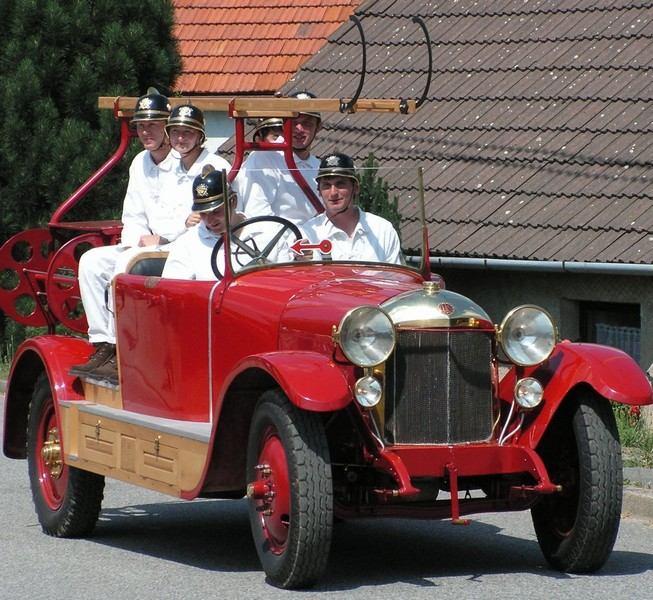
<point>439,388</point>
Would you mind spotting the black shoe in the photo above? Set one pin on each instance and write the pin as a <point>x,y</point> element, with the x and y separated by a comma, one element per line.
<point>107,371</point>
<point>103,350</point>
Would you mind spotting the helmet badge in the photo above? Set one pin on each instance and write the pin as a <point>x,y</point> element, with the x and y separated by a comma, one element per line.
<point>332,161</point>
<point>185,111</point>
<point>145,103</point>
<point>202,190</point>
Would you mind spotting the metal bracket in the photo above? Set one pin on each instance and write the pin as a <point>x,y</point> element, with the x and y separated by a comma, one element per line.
<point>425,93</point>
<point>347,106</point>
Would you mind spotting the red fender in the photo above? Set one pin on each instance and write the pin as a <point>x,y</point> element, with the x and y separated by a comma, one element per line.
<point>311,381</point>
<point>612,373</point>
<point>53,354</point>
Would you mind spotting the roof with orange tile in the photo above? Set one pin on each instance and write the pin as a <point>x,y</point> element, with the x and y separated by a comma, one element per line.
<point>250,46</point>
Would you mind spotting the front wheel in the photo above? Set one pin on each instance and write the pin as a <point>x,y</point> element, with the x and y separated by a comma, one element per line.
<point>67,500</point>
<point>289,491</point>
<point>577,528</point>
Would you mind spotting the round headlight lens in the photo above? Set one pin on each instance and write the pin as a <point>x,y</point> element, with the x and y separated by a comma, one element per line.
<point>368,391</point>
<point>528,392</point>
<point>527,335</point>
<point>367,336</point>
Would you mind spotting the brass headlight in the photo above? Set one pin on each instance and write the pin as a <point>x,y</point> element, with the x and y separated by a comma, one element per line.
<point>528,392</point>
<point>368,391</point>
<point>366,335</point>
<point>527,335</point>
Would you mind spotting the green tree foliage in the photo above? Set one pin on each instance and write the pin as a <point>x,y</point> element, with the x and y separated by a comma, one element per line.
<point>374,195</point>
<point>56,58</point>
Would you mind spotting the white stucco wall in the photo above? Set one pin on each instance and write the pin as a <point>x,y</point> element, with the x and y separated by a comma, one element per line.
<point>219,128</point>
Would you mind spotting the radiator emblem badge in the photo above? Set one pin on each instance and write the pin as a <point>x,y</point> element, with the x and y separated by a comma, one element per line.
<point>446,308</point>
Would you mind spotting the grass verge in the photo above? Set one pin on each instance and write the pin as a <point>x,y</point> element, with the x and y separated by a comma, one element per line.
<point>4,367</point>
<point>636,438</point>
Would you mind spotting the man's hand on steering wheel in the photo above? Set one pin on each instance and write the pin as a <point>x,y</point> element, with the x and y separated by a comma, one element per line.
<point>249,247</point>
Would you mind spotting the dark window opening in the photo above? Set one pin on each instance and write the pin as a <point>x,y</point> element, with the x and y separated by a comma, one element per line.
<point>611,324</point>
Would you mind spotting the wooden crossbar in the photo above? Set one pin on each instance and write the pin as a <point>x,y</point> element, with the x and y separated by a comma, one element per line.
<point>266,106</point>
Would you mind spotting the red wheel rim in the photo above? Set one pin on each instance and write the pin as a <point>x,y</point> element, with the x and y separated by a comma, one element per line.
<point>52,473</point>
<point>274,511</point>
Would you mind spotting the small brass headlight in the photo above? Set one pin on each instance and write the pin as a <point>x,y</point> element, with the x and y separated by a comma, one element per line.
<point>368,391</point>
<point>528,392</point>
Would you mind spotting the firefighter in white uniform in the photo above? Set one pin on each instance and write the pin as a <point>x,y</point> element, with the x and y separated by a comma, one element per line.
<point>264,184</point>
<point>354,234</point>
<point>186,130</point>
<point>156,211</point>
<point>143,215</point>
<point>190,254</point>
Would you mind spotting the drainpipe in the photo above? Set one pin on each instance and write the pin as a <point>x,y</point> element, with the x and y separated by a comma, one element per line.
<point>548,266</point>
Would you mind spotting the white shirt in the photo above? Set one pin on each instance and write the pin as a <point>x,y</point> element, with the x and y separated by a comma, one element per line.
<point>265,186</point>
<point>143,211</point>
<point>177,192</point>
<point>190,254</point>
<point>373,240</point>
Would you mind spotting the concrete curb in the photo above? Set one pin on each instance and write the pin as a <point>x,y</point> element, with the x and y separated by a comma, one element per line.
<point>637,501</point>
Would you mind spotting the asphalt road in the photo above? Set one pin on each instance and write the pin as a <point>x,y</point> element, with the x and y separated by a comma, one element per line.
<point>150,546</point>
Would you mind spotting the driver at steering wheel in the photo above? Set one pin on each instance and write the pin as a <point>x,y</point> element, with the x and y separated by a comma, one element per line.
<point>190,255</point>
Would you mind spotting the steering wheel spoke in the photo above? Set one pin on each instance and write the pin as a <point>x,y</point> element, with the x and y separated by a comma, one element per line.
<point>249,246</point>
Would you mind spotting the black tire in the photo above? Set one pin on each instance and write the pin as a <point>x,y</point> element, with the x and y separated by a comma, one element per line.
<point>67,500</point>
<point>577,528</point>
<point>293,537</point>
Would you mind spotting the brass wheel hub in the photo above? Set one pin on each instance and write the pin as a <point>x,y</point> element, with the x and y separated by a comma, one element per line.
<point>51,453</point>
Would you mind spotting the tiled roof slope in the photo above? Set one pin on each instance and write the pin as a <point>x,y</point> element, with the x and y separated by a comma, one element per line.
<point>537,135</point>
<point>250,46</point>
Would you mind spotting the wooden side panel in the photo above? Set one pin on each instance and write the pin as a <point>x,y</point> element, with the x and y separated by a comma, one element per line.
<point>98,444</point>
<point>133,453</point>
<point>108,396</point>
<point>159,461</point>
<point>128,453</point>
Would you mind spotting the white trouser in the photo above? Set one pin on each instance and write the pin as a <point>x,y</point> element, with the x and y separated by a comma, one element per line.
<point>97,268</point>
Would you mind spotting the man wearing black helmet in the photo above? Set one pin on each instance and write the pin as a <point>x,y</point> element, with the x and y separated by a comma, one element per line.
<point>186,130</point>
<point>264,184</point>
<point>144,215</point>
<point>268,129</point>
<point>190,254</point>
<point>353,233</point>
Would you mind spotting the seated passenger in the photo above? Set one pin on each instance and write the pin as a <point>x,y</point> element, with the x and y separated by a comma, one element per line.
<point>264,184</point>
<point>268,129</point>
<point>187,133</point>
<point>148,218</point>
<point>353,233</point>
<point>190,254</point>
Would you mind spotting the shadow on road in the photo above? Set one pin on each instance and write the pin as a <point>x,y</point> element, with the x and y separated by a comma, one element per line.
<point>215,535</point>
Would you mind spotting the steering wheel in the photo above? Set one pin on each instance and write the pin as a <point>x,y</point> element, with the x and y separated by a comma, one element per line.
<point>248,247</point>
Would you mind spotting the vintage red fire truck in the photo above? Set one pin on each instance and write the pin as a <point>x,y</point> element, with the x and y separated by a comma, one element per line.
<point>318,391</point>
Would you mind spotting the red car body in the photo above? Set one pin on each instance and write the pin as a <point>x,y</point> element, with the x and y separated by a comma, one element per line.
<point>243,387</point>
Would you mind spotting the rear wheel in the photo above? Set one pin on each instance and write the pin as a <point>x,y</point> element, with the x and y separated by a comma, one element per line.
<point>577,528</point>
<point>289,491</point>
<point>67,500</point>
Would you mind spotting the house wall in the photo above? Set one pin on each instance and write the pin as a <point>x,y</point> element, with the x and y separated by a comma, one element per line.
<point>559,293</point>
<point>219,128</point>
